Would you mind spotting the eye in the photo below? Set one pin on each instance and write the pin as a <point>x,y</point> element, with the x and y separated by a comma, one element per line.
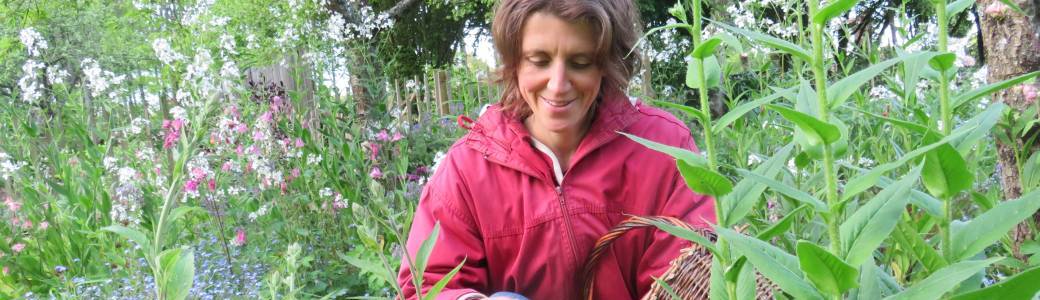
<point>538,61</point>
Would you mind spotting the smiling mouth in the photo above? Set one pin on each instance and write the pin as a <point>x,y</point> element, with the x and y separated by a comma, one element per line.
<point>557,103</point>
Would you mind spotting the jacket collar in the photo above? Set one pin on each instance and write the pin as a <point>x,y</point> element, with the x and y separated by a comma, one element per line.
<point>504,140</point>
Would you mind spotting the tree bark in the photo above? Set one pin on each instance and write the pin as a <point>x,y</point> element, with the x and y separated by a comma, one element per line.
<point>1012,48</point>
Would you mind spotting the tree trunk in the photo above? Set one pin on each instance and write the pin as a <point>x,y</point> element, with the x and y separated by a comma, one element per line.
<point>1012,48</point>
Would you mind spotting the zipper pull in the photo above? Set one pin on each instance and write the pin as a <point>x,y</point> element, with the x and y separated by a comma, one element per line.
<point>559,190</point>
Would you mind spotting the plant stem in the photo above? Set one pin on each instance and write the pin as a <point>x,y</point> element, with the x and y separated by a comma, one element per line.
<point>828,156</point>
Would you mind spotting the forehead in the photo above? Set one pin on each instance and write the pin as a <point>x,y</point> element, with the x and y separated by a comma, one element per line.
<point>544,32</point>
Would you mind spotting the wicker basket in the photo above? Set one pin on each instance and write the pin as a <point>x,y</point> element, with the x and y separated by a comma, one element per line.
<point>689,274</point>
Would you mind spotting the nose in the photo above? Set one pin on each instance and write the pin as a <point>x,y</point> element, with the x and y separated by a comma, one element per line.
<point>559,83</point>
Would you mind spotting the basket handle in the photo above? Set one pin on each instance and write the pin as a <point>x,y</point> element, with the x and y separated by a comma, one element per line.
<point>604,242</point>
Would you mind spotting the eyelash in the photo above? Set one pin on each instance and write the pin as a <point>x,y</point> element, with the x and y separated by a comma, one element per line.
<point>543,63</point>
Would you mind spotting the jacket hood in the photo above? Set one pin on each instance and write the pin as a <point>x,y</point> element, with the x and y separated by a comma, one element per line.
<point>504,140</point>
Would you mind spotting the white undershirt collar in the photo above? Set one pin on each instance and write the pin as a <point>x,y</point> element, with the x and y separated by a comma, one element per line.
<point>555,162</point>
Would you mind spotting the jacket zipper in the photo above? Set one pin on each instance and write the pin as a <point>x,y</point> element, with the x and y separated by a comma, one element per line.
<point>567,223</point>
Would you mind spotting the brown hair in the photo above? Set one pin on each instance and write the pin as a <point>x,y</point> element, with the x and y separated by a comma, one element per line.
<point>616,22</point>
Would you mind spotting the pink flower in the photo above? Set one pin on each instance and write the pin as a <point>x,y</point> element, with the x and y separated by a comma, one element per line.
<point>198,173</point>
<point>241,128</point>
<point>397,137</point>
<point>232,111</point>
<point>299,143</point>
<point>27,224</point>
<point>376,173</point>
<point>191,186</point>
<point>17,248</point>
<point>44,225</point>
<point>12,205</point>
<point>227,166</point>
<point>239,150</point>
<point>295,172</point>
<point>382,136</point>
<point>267,117</point>
<point>258,135</point>
<point>6,270</point>
<point>240,238</point>
<point>996,8</point>
<point>1030,93</point>
<point>373,151</point>
<point>173,132</point>
<point>212,185</point>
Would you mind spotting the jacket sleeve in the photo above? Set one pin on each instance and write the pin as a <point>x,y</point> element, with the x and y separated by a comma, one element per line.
<point>458,240</point>
<point>697,210</point>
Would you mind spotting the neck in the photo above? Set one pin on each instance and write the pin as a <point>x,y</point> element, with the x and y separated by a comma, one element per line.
<point>562,143</point>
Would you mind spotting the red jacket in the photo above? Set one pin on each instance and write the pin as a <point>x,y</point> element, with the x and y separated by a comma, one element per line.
<point>500,208</point>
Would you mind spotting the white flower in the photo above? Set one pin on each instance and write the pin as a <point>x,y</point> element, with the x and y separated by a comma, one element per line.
<point>251,42</point>
<point>8,167</point>
<point>179,113</point>
<point>165,53</point>
<point>56,75</point>
<point>437,158</point>
<point>109,163</point>
<point>313,159</point>
<point>152,103</point>
<point>198,68</point>
<point>28,84</point>
<point>227,43</point>
<point>32,40</point>
<point>325,192</point>
<point>126,174</point>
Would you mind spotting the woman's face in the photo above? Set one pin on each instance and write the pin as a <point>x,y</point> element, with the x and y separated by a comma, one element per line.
<point>557,76</point>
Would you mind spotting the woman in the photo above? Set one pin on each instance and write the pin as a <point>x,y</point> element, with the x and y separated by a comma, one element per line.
<point>523,197</point>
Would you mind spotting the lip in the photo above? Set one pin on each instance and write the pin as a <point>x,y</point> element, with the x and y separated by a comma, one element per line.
<point>557,103</point>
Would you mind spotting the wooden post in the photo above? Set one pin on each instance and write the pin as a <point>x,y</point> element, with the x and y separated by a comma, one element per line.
<point>443,92</point>
<point>648,87</point>
<point>418,92</point>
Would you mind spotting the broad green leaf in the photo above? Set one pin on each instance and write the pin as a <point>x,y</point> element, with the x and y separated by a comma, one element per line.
<point>717,282</point>
<point>942,62</point>
<point>781,226</point>
<point>748,192</point>
<point>952,9</point>
<point>870,286</point>
<point>871,224</point>
<point>178,265</point>
<point>131,234</point>
<point>786,190</point>
<point>706,48</point>
<point>829,273</point>
<point>817,130</point>
<point>769,41</point>
<point>369,267</point>
<point>425,250</point>
<point>838,92</point>
<point>862,182</point>
<point>731,41</point>
<point>696,113</point>
<point>747,283</point>
<point>945,173</point>
<point>686,234</point>
<point>833,9</point>
<point>1013,6</point>
<point>739,111</point>
<point>1022,286</point>
<point>992,225</point>
<point>667,288</point>
<point>911,241</point>
<point>1031,172</point>
<point>982,124</point>
<point>733,274</point>
<point>681,154</point>
<point>712,72</point>
<point>703,180</point>
<point>943,280</point>
<point>437,287</point>
<point>990,88</point>
<point>779,266</point>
